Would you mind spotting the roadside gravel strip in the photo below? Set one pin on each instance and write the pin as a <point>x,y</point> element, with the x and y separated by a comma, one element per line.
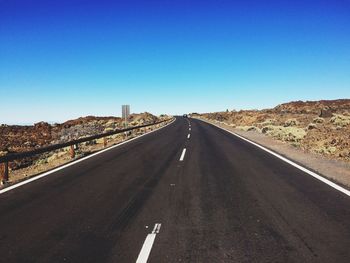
<point>331,170</point>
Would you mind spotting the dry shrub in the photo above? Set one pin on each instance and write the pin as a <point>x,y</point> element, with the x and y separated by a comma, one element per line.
<point>268,122</point>
<point>325,149</point>
<point>318,120</point>
<point>340,120</point>
<point>291,122</point>
<point>290,134</point>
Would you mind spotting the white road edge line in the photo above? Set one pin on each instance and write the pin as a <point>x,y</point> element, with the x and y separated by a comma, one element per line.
<point>313,174</point>
<point>188,136</point>
<point>77,161</point>
<point>183,155</point>
<point>147,245</point>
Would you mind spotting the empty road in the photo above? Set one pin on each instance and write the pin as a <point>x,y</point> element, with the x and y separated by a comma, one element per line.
<point>189,192</point>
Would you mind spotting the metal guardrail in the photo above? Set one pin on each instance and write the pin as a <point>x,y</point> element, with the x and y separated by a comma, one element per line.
<point>4,160</point>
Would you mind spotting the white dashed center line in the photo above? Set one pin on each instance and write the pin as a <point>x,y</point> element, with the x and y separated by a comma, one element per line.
<point>147,245</point>
<point>188,136</point>
<point>183,155</point>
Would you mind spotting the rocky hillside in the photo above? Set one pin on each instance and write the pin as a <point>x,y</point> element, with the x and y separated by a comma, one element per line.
<point>321,127</point>
<point>14,138</point>
<point>314,107</point>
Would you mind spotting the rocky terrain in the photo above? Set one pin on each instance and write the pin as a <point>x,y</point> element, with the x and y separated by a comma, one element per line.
<point>15,138</point>
<point>321,127</point>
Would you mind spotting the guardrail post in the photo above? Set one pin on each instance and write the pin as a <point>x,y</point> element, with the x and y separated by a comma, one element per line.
<point>72,151</point>
<point>4,172</point>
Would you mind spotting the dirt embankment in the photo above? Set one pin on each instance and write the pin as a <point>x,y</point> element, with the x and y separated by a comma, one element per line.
<point>321,127</point>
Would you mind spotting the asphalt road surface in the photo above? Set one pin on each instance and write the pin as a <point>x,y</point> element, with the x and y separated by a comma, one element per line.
<point>220,200</point>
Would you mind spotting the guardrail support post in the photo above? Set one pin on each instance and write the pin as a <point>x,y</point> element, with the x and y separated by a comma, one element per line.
<point>4,172</point>
<point>72,151</point>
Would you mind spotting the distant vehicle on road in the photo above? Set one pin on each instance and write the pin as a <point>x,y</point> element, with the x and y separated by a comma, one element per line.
<point>185,116</point>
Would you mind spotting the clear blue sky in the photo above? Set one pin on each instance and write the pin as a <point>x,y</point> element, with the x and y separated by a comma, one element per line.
<point>65,59</point>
